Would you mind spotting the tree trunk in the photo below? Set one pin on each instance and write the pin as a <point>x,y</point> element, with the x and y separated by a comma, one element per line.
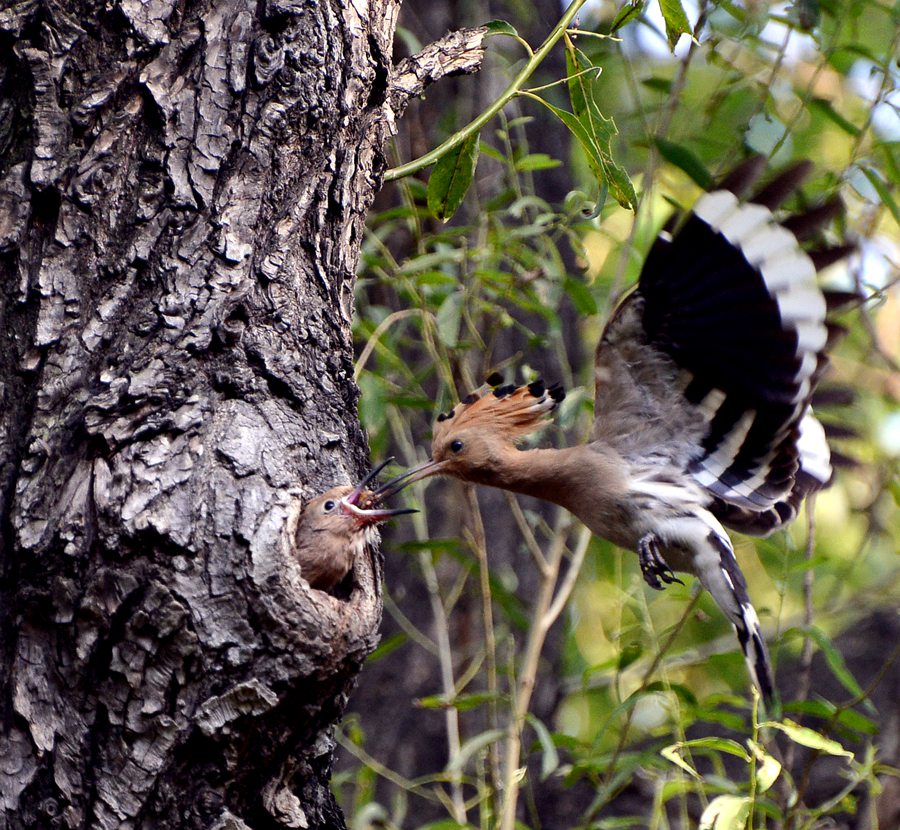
<point>182,193</point>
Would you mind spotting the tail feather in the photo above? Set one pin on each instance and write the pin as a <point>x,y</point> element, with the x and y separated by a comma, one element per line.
<point>729,589</point>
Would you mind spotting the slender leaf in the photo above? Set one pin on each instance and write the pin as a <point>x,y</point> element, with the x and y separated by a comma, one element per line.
<point>805,736</point>
<point>386,646</point>
<point>549,755</point>
<point>677,23</point>
<point>463,703</point>
<point>684,159</point>
<point>626,14</point>
<point>593,130</point>
<point>836,662</point>
<point>671,753</point>
<point>881,188</point>
<point>581,296</point>
<point>472,747</point>
<point>537,161</point>
<point>451,178</point>
<point>826,108</point>
<point>725,745</point>
<point>448,317</point>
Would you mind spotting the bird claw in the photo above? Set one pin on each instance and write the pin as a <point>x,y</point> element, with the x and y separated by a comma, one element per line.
<point>653,566</point>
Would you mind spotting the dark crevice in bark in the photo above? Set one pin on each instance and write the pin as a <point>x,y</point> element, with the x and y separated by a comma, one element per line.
<point>16,106</point>
<point>97,665</point>
<point>98,734</point>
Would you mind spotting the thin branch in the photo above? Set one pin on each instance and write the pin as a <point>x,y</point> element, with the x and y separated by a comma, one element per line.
<point>479,546</point>
<point>505,97</point>
<point>804,669</point>
<point>527,535</point>
<point>457,53</point>
<point>540,625</point>
<point>442,631</point>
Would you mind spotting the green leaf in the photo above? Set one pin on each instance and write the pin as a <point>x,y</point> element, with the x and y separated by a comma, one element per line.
<point>451,178</point>
<point>727,812</point>
<point>581,296</point>
<point>549,755</point>
<point>677,23</point>
<point>884,194</point>
<point>805,736</point>
<point>767,768</point>
<point>671,753</point>
<point>537,161</point>
<point>448,317</point>
<point>825,108</point>
<point>834,659</point>
<point>386,646</point>
<point>430,261</point>
<point>593,130</point>
<point>463,703</point>
<point>626,14</point>
<point>684,159</point>
<point>500,27</point>
<point>725,745</point>
<point>658,84</point>
<point>836,663</point>
<point>849,718</point>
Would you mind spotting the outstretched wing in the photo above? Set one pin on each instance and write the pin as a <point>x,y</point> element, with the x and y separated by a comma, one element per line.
<point>711,362</point>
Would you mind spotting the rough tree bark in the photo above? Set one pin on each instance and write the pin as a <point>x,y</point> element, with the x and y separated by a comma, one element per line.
<point>182,192</point>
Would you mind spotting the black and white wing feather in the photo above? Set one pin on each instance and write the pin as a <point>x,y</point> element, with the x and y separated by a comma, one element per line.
<point>712,361</point>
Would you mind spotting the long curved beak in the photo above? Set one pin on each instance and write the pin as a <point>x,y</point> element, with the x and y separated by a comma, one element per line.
<point>395,485</point>
<point>371,513</point>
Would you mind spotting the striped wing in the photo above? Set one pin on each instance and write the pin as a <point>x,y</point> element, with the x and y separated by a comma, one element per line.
<point>712,361</point>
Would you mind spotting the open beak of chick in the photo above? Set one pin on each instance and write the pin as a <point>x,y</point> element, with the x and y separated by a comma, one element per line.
<point>364,504</point>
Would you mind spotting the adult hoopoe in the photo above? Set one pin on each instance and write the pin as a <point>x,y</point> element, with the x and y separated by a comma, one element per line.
<point>336,527</point>
<point>702,417</point>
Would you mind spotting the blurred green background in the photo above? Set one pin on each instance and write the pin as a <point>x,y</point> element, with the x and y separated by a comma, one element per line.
<point>522,279</point>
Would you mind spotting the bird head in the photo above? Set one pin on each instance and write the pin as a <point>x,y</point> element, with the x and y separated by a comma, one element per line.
<point>336,527</point>
<point>346,509</point>
<point>471,439</point>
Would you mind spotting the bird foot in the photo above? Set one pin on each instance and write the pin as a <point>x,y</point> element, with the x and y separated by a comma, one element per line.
<point>653,566</point>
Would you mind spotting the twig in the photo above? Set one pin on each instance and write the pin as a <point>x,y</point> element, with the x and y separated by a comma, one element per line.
<point>527,535</point>
<point>540,625</point>
<point>479,546</point>
<point>806,654</point>
<point>442,635</point>
<point>505,97</point>
<point>382,327</point>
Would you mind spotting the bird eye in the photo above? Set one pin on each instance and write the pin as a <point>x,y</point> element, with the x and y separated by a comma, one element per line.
<point>456,446</point>
<point>329,506</point>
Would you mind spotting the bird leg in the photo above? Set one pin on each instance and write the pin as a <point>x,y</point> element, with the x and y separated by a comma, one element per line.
<point>653,566</point>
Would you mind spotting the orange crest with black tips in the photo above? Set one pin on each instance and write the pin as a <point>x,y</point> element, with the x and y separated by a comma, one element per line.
<point>507,410</point>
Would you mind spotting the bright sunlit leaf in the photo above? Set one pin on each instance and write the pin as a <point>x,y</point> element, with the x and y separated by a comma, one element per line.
<point>727,812</point>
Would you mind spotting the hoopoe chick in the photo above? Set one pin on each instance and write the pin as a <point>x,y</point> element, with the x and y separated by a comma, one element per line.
<point>702,415</point>
<point>336,527</point>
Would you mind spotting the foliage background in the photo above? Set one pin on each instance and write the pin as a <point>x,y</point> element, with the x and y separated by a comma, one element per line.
<point>522,279</point>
